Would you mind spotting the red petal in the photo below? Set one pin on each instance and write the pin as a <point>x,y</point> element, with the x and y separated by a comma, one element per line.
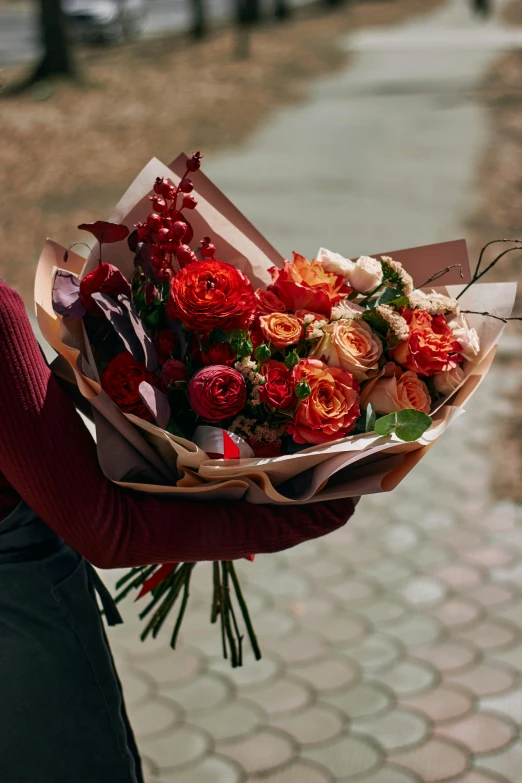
<point>106,232</point>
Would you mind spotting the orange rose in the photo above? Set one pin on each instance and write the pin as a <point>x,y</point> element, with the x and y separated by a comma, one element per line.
<point>306,285</point>
<point>268,302</point>
<point>281,329</point>
<point>395,390</point>
<point>332,408</point>
<point>431,345</point>
<point>352,345</point>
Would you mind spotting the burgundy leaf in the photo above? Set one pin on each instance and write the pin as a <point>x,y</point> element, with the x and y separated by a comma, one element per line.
<point>66,295</point>
<point>106,232</point>
<point>119,319</point>
<point>133,240</point>
<point>148,349</point>
<point>156,402</point>
<point>143,259</point>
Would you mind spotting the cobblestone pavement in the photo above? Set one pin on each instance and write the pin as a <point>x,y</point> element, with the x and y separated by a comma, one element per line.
<point>392,649</point>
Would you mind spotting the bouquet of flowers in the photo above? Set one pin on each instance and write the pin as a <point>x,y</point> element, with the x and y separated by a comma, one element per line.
<point>214,372</point>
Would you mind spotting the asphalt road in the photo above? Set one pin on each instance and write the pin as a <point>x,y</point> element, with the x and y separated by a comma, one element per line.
<point>19,31</point>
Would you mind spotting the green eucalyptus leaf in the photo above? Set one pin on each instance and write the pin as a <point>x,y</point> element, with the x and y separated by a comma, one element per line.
<point>386,425</point>
<point>412,424</point>
<point>370,418</point>
<point>388,295</point>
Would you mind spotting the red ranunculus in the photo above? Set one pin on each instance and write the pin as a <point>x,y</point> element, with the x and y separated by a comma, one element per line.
<point>217,392</point>
<point>121,381</point>
<point>431,345</point>
<point>166,343</point>
<point>105,279</point>
<point>278,391</point>
<point>209,294</point>
<point>218,353</point>
<point>173,371</point>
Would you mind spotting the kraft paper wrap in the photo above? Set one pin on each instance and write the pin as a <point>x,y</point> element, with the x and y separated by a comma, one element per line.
<point>141,456</point>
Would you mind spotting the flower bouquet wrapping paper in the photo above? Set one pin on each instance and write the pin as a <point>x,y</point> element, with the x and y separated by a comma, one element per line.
<point>216,369</point>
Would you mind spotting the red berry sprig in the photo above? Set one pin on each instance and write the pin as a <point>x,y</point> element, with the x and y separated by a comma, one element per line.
<point>166,229</point>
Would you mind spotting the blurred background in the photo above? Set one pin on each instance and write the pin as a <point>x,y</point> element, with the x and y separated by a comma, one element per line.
<point>391,650</point>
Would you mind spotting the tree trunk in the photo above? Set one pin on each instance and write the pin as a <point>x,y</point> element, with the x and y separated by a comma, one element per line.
<point>198,27</point>
<point>57,59</point>
<point>282,10</point>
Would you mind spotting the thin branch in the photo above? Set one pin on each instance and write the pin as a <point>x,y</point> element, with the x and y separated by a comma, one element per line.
<point>493,242</point>
<point>486,270</point>
<point>441,273</point>
<point>490,315</point>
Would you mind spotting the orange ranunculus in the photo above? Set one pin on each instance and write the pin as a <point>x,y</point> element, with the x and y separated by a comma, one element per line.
<point>268,302</point>
<point>431,345</point>
<point>210,294</point>
<point>281,329</point>
<point>306,285</point>
<point>395,390</point>
<point>332,408</point>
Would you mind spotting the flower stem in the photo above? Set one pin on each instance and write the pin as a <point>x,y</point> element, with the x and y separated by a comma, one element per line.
<point>244,610</point>
<point>137,582</point>
<point>226,614</point>
<point>184,601</point>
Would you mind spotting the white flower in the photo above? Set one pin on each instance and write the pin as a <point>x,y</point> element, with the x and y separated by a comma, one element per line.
<point>447,381</point>
<point>432,302</point>
<point>366,275</point>
<point>466,336</point>
<point>396,266</point>
<point>334,262</point>
<point>346,309</point>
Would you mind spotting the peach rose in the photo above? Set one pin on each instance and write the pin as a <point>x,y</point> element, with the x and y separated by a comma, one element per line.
<point>446,382</point>
<point>351,345</point>
<point>332,408</point>
<point>431,345</point>
<point>267,302</point>
<point>306,285</point>
<point>395,390</point>
<point>281,329</point>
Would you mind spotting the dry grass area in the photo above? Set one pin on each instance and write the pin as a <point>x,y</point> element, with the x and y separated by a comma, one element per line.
<point>69,151</point>
<point>500,215</point>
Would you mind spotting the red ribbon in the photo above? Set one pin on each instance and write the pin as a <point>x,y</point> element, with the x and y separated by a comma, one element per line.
<point>157,577</point>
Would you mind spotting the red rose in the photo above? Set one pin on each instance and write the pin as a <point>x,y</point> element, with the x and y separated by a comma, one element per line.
<point>173,371</point>
<point>306,285</point>
<point>166,343</point>
<point>209,294</point>
<point>218,353</point>
<point>268,302</point>
<point>121,381</point>
<point>217,392</point>
<point>431,345</point>
<point>105,279</point>
<point>278,391</point>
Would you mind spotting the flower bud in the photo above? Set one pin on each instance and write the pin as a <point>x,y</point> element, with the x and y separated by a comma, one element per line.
<point>291,360</point>
<point>302,390</point>
<point>194,163</point>
<point>263,352</point>
<point>186,186</point>
<point>189,202</point>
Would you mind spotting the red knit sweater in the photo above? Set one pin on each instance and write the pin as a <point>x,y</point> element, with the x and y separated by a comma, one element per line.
<point>48,457</point>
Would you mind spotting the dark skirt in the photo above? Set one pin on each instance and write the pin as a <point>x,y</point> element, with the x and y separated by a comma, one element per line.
<point>62,714</point>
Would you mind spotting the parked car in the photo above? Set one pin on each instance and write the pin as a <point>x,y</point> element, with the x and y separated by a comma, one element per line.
<point>105,21</point>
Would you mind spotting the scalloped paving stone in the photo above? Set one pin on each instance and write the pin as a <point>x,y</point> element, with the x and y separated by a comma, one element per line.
<point>302,646</point>
<point>167,666</point>
<point>210,770</point>
<point>388,774</point>
<point>252,674</point>
<point>488,556</point>
<point>323,570</point>
<point>364,701</point>
<point>481,733</point>
<point>511,657</point>
<point>434,761</point>
<point>440,704</point>
<point>273,624</point>
<point>296,773</point>
<point>203,693</point>
<point>421,592</point>
<point>484,680</point>
<point>352,591</point>
<point>429,555</point>
<point>327,673</point>
<point>506,762</point>
<point>288,584</point>
<point>336,628</point>
<point>400,538</point>
<point>231,721</point>
<point>458,575</point>
<point>284,695</point>
<point>262,752</point>
<point>315,725</point>
<point>346,757</point>
<point>138,686</point>
<point>479,777</point>
<point>457,612</point>
<point>381,610</point>
<point>509,704</point>
<point>388,571</point>
<point>185,745</point>
<point>490,594</point>
<point>448,656</point>
<point>489,634</point>
<point>154,717</point>
<point>397,730</point>
<point>414,630</point>
<point>373,652</point>
<point>407,677</point>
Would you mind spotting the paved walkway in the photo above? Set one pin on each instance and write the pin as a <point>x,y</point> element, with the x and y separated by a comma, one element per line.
<point>392,649</point>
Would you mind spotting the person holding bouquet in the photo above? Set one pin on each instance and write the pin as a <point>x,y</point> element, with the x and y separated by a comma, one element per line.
<point>62,713</point>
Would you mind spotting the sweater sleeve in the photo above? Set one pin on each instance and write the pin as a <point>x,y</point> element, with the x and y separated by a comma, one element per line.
<point>49,457</point>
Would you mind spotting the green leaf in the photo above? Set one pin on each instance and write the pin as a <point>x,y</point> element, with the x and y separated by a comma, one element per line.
<point>386,425</point>
<point>174,428</point>
<point>376,321</point>
<point>370,418</point>
<point>388,295</point>
<point>408,424</point>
